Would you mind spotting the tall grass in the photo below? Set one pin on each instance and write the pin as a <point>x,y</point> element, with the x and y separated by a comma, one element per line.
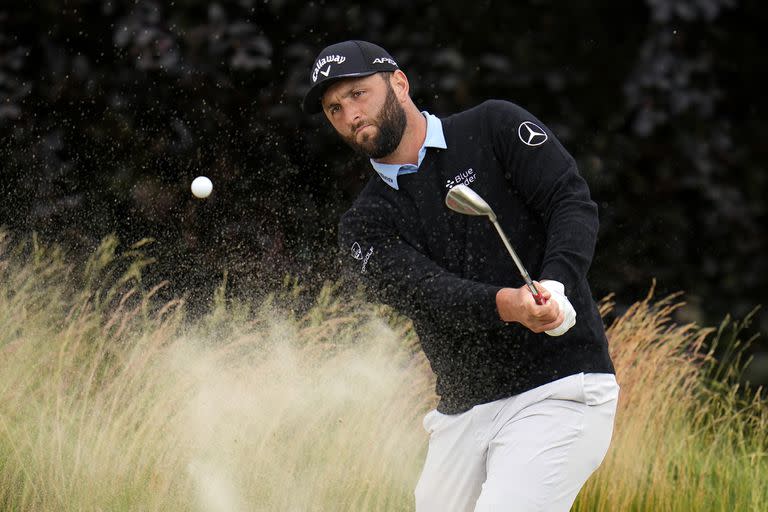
<point>113,400</point>
<point>686,438</point>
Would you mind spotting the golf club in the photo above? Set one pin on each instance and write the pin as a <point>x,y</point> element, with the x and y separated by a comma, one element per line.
<point>464,200</point>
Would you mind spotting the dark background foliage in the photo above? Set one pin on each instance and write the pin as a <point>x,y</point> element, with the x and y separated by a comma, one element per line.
<point>109,109</point>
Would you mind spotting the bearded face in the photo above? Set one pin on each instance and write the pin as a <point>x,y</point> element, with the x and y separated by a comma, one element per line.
<point>380,136</point>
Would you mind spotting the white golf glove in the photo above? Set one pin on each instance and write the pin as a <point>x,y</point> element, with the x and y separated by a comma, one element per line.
<point>557,290</point>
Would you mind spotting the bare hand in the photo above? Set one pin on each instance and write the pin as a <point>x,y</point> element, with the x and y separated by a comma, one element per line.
<point>518,305</point>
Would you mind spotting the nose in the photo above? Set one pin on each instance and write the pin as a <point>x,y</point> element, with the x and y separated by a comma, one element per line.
<point>352,114</point>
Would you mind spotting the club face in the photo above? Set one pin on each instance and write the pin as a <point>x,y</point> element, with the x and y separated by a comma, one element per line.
<point>464,200</point>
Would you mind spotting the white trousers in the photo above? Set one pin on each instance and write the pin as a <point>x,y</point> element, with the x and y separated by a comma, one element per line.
<point>529,452</point>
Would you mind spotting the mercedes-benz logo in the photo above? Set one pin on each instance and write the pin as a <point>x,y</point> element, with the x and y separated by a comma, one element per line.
<point>531,134</point>
<point>357,253</point>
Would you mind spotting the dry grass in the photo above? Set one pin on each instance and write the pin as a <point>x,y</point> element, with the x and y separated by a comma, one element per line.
<point>682,440</point>
<point>110,400</point>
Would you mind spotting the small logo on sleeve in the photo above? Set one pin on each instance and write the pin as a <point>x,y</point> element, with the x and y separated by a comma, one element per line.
<point>357,253</point>
<point>531,134</point>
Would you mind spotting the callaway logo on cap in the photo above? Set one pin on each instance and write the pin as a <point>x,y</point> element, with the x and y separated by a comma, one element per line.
<point>344,60</point>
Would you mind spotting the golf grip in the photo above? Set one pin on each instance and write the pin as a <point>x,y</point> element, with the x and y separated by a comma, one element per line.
<point>536,295</point>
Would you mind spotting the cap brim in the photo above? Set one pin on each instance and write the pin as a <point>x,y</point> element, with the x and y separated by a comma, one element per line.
<point>311,103</point>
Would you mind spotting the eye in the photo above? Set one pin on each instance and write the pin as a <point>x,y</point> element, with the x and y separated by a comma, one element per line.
<point>333,109</point>
<point>357,94</point>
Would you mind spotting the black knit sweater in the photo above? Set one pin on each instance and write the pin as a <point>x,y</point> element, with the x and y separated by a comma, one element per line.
<point>443,269</point>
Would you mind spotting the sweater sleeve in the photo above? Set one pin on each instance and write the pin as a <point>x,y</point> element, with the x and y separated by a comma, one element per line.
<point>400,275</point>
<point>546,177</point>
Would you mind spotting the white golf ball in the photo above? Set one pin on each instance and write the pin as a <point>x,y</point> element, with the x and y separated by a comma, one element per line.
<point>201,187</point>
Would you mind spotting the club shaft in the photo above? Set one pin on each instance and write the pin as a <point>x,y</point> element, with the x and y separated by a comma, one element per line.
<point>516,259</point>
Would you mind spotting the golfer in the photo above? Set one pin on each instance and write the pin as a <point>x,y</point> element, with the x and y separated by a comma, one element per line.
<point>527,392</point>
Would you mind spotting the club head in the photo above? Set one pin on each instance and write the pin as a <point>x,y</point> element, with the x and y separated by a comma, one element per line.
<point>464,200</point>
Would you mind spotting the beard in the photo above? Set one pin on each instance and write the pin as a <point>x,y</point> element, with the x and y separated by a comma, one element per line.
<point>391,124</point>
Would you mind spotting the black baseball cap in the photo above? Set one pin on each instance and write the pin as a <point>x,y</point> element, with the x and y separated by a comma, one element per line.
<point>344,60</point>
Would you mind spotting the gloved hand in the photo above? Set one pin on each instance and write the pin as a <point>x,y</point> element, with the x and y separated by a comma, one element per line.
<point>557,290</point>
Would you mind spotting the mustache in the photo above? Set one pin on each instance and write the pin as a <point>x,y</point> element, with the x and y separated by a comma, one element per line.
<point>359,125</point>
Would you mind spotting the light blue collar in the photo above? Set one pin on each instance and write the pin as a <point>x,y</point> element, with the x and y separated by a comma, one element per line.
<point>434,139</point>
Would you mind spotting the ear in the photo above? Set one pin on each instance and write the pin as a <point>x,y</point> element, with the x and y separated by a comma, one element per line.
<point>400,85</point>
